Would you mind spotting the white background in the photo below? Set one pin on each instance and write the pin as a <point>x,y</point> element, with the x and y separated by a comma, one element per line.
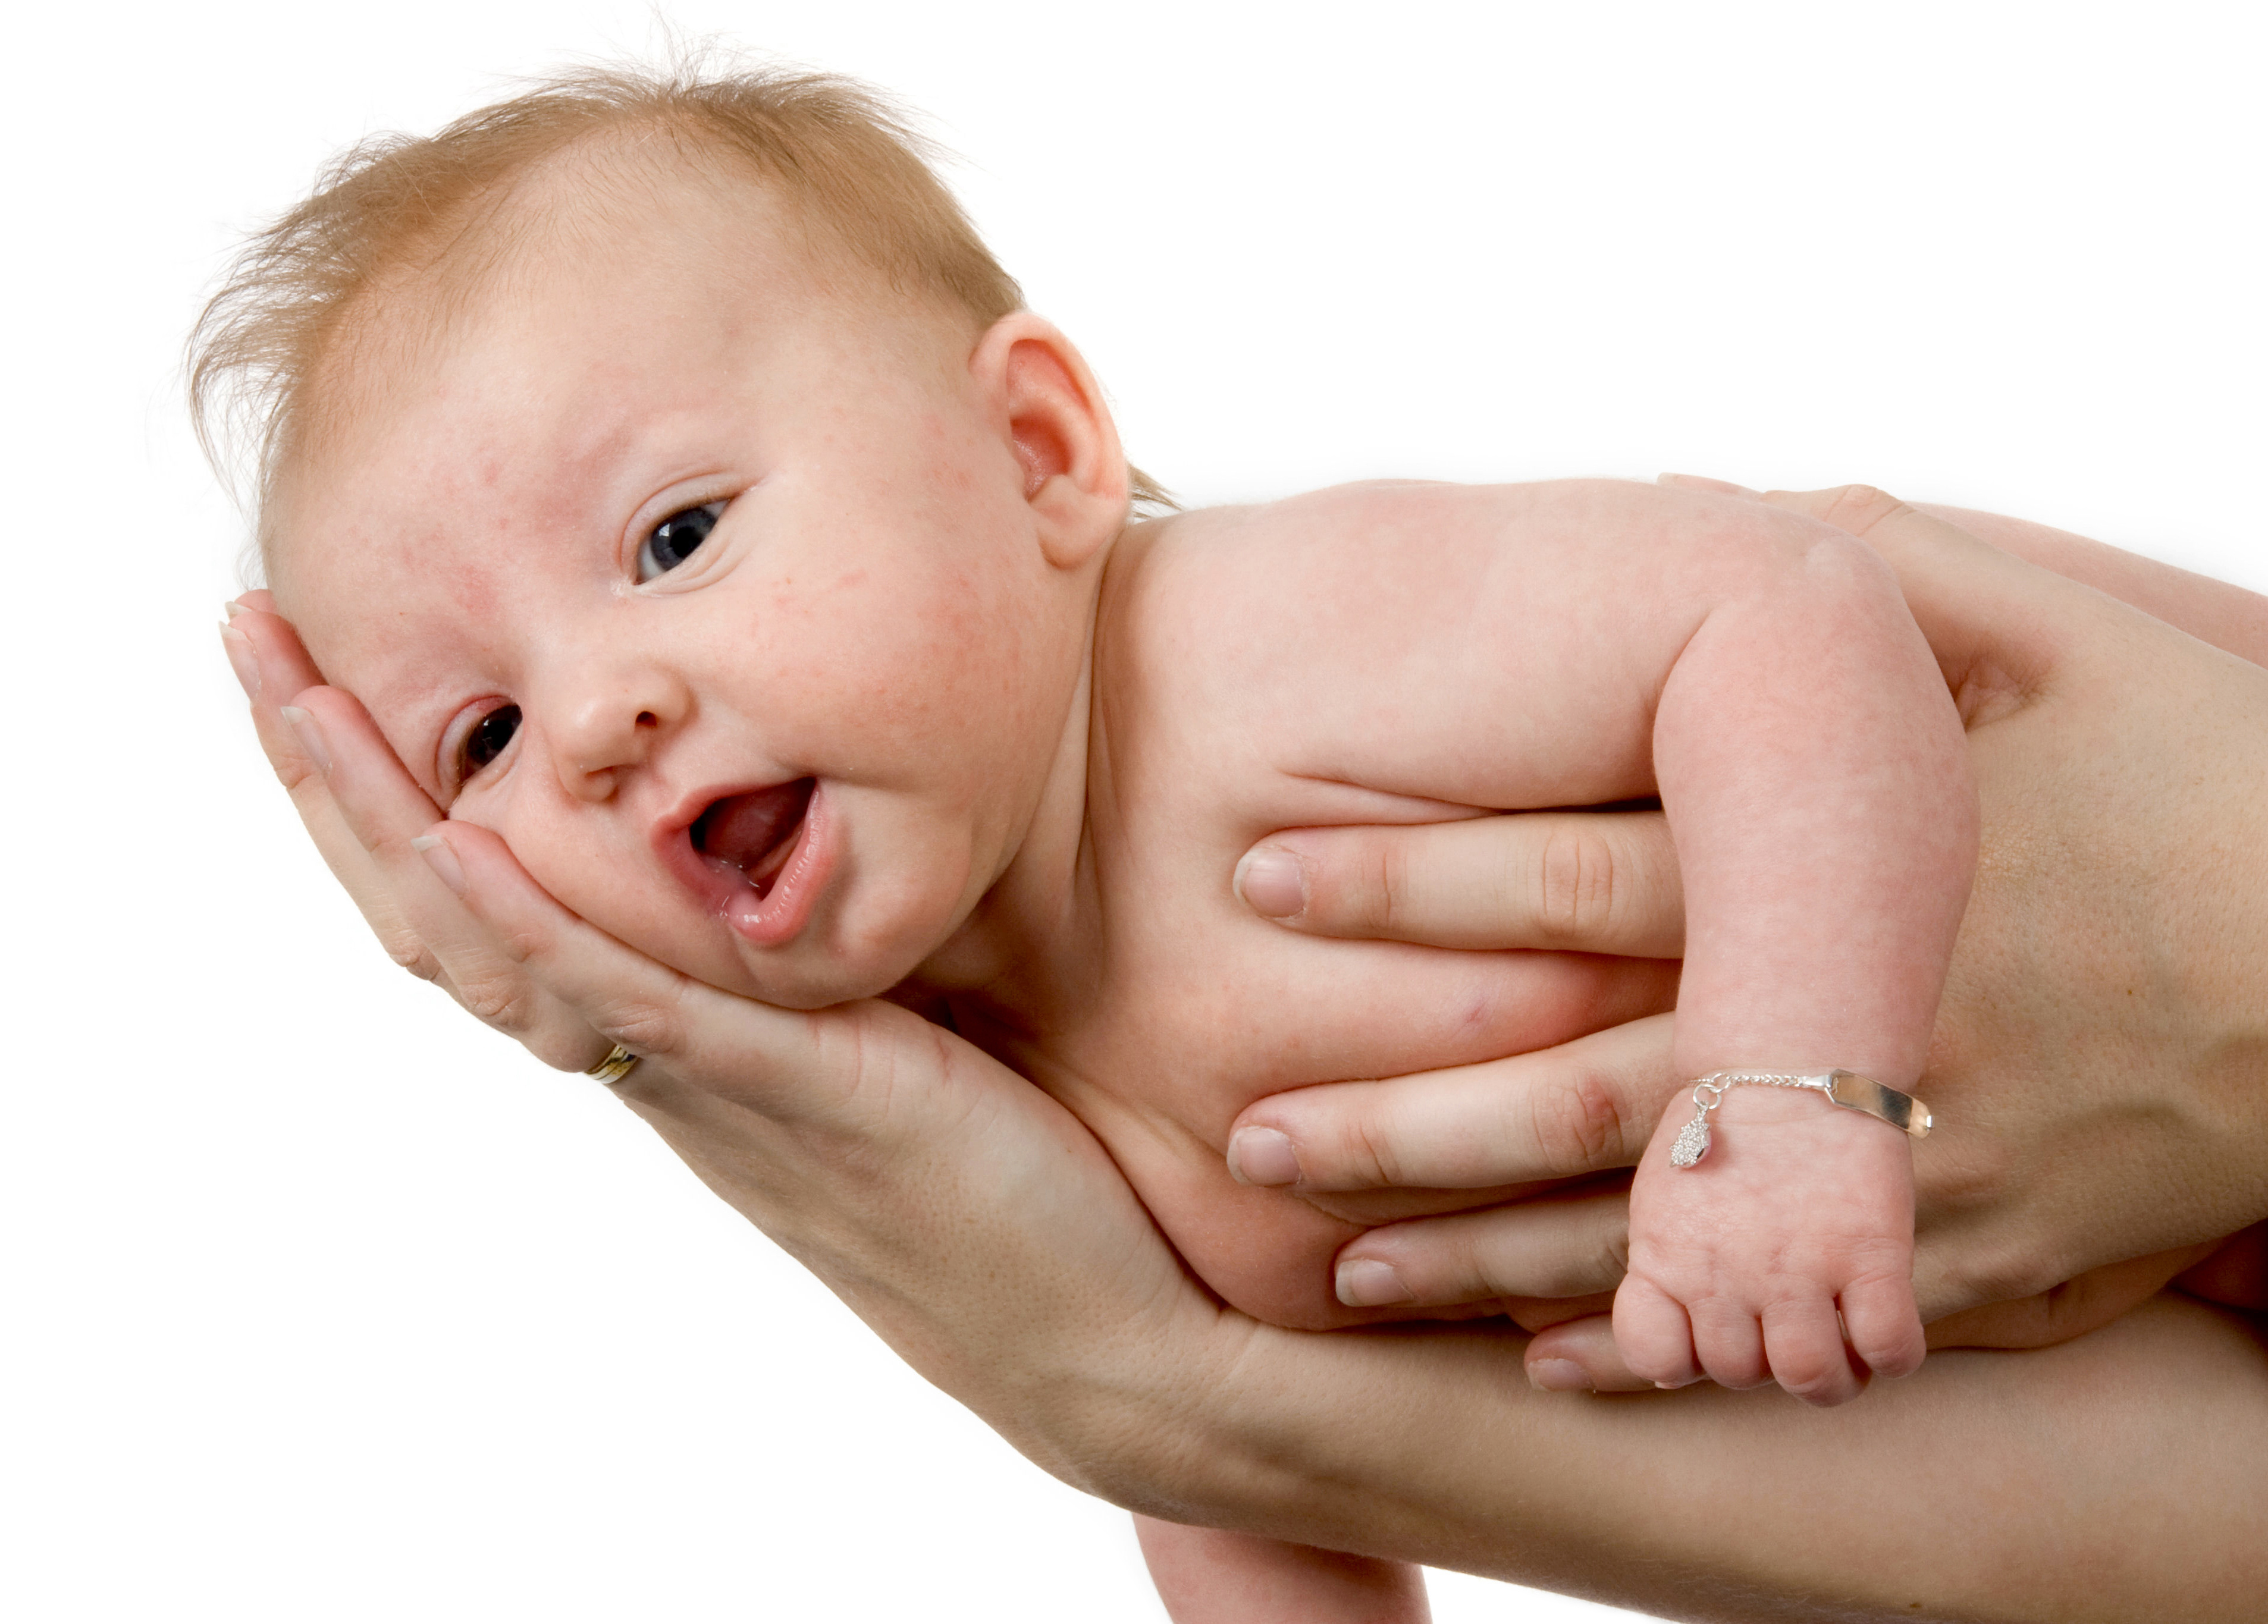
<point>321,1304</point>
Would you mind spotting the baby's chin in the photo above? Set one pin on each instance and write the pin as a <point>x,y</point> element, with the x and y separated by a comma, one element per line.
<point>806,974</point>
<point>813,991</point>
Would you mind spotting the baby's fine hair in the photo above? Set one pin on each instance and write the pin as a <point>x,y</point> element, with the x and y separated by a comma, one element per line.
<point>396,202</point>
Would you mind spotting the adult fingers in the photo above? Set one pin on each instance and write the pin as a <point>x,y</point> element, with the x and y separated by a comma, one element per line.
<point>1582,1107</point>
<point>1549,1246</point>
<point>1699,482</point>
<point>362,808</point>
<point>1995,635</point>
<point>1587,882</point>
<point>275,671</point>
<point>2072,1309</point>
<point>792,1066</point>
<point>385,810</point>
<point>1580,1356</point>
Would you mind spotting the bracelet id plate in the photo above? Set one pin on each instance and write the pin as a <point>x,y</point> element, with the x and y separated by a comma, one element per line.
<point>1848,1089</point>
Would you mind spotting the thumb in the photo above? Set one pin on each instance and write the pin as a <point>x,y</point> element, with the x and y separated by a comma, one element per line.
<point>1579,1356</point>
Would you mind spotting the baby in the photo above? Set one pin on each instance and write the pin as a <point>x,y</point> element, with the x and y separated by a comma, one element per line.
<point>679,483</point>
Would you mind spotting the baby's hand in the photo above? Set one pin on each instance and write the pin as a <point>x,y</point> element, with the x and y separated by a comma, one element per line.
<point>1740,1264</point>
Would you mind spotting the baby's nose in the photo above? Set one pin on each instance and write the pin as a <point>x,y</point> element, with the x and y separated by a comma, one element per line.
<point>607,728</point>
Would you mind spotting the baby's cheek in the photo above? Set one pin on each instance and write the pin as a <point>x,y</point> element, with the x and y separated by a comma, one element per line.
<point>601,879</point>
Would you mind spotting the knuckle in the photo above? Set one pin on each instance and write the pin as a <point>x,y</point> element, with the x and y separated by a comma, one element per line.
<point>413,956</point>
<point>2005,1275</point>
<point>1579,1123</point>
<point>1575,884</point>
<point>1379,896</point>
<point>1470,1270</point>
<point>499,999</point>
<point>523,944</point>
<point>644,1026</point>
<point>1857,507</point>
<point>560,1047</point>
<point>1610,1259</point>
<point>1370,1152</point>
<point>390,847</point>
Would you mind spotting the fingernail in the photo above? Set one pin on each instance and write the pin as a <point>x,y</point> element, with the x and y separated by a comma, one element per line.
<point>443,860</point>
<point>231,609</point>
<point>1272,883</point>
<point>1365,1282</point>
<point>241,659</point>
<point>1262,1156</point>
<point>1558,1375</point>
<point>309,733</point>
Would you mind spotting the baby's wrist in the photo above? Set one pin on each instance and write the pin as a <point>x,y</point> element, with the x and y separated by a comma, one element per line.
<point>1851,1090</point>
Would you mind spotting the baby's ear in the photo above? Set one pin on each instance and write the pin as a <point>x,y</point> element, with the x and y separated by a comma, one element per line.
<point>1060,432</point>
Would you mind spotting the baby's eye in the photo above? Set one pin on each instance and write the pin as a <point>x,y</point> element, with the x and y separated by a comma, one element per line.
<point>486,742</point>
<point>672,541</point>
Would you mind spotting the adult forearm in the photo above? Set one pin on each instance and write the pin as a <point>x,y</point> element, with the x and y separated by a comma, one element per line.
<point>1988,1486</point>
<point>2049,1486</point>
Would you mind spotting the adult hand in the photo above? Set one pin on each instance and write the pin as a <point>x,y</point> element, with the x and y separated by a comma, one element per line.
<point>908,1169</point>
<point>362,809</point>
<point>2100,1063</point>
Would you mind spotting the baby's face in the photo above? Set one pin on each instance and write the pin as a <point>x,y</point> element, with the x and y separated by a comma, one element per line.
<point>708,581</point>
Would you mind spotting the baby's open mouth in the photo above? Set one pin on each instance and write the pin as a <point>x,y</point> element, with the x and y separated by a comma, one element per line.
<point>751,835</point>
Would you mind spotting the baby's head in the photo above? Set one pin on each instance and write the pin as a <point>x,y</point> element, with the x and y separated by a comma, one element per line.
<point>675,477</point>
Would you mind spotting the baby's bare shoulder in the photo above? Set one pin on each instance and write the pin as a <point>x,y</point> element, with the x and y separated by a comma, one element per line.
<point>1386,633</point>
<point>1365,570</point>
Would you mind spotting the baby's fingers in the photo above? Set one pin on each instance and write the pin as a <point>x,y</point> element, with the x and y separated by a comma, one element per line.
<point>1804,1342</point>
<point>1729,1344</point>
<point>1654,1335</point>
<point>1884,1326</point>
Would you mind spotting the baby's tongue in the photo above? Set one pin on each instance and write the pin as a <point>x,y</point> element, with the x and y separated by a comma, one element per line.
<point>743,830</point>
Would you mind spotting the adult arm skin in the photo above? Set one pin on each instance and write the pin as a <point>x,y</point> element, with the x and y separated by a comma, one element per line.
<point>2100,1063</point>
<point>987,1237</point>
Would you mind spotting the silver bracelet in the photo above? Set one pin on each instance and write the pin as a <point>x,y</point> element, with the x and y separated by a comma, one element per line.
<point>1847,1088</point>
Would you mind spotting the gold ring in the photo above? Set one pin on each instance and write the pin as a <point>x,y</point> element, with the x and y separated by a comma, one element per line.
<point>618,1064</point>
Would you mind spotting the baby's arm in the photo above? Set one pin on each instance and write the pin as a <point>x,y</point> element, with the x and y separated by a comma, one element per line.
<point>1813,766</point>
<point>1212,1576</point>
